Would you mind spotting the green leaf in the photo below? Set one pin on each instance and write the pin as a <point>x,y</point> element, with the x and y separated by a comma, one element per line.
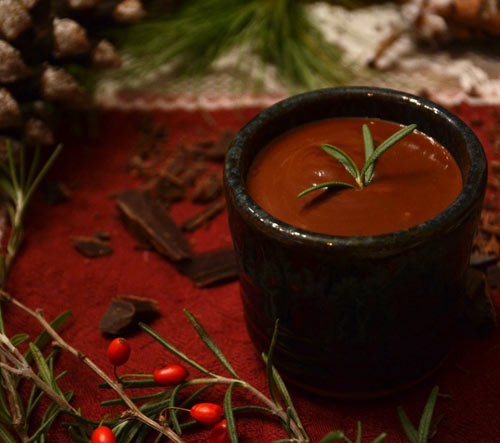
<point>334,436</point>
<point>380,438</point>
<point>32,187</point>
<point>19,339</point>
<point>228,412</point>
<point>118,401</point>
<point>269,365</point>
<point>44,338</point>
<point>6,185</point>
<point>287,399</point>
<point>131,431</point>
<point>386,144</point>
<point>76,436</point>
<point>34,399</point>
<point>210,343</point>
<point>5,416</point>
<point>324,185</point>
<point>369,148</point>
<point>33,166</point>
<point>195,395</point>
<point>346,161</point>
<point>359,434</point>
<point>49,417</point>
<point>252,408</point>
<point>43,369</point>
<point>173,350</point>
<point>6,436</point>
<point>12,166</point>
<point>173,412</point>
<point>410,431</point>
<point>426,419</point>
<point>135,384</point>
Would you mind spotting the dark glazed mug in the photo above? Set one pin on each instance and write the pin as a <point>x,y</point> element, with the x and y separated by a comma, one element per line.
<point>358,316</point>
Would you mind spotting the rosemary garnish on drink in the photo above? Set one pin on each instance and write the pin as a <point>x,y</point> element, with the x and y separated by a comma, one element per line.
<point>365,176</point>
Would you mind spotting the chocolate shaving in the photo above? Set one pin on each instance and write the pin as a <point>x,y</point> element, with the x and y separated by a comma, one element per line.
<point>479,317</point>
<point>210,267</point>
<point>202,217</point>
<point>207,189</point>
<point>92,247</point>
<point>151,223</point>
<point>168,188</point>
<point>125,312</point>
<point>103,235</point>
<point>214,150</point>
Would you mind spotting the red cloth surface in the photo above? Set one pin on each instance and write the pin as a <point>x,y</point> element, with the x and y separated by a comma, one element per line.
<point>51,275</point>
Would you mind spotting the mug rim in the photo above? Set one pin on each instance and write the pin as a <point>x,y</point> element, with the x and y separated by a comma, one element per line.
<point>235,182</point>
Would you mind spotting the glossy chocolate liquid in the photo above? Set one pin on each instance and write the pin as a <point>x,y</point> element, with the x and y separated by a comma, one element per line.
<point>414,180</point>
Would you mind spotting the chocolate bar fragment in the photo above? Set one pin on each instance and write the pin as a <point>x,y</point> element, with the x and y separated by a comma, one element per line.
<point>125,312</point>
<point>209,268</point>
<point>203,217</point>
<point>92,247</point>
<point>148,220</point>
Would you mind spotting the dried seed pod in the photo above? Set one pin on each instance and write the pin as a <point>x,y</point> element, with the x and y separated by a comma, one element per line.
<point>83,4</point>
<point>9,110</point>
<point>70,39</point>
<point>59,86</point>
<point>105,55</point>
<point>14,19</point>
<point>128,11</point>
<point>38,133</point>
<point>12,66</point>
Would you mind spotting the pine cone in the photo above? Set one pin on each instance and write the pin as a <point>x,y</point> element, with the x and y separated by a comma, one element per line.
<point>44,45</point>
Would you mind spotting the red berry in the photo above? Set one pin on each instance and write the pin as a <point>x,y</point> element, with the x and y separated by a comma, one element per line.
<point>219,434</point>
<point>103,434</point>
<point>118,351</point>
<point>206,413</point>
<point>170,375</point>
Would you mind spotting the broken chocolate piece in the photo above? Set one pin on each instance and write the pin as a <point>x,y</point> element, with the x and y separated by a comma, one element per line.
<point>214,150</point>
<point>150,222</point>
<point>203,217</point>
<point>479,317</point>
<point>168,188</point>
<point>210,267</point>
<point>125,312</point>
<point>207,189</point>
<point>92,247</point>
<point>103,235</point>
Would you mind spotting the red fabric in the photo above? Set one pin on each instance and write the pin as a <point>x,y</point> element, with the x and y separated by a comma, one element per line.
<point>51,275</point>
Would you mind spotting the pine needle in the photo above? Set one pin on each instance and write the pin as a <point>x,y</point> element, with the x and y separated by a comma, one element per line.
<point>279,32</point>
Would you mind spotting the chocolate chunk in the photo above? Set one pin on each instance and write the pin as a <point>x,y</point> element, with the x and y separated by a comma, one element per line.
<point>210,267</point>
<point>151,223</point>
<point>207,189</point>
<point>54,193</point>
<point>92,247</point>
<point>214,150</point>
<point>125,312</point>
<point>202,217</point>
<point>479,317</point>
<point>103,235</point>
<point>168,188</point>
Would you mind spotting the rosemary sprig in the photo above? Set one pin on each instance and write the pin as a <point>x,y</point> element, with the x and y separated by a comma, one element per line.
<point>422,434</point>
<point>364,177</point>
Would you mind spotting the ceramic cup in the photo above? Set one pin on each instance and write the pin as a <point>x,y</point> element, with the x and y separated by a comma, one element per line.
<point>359,316</point>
